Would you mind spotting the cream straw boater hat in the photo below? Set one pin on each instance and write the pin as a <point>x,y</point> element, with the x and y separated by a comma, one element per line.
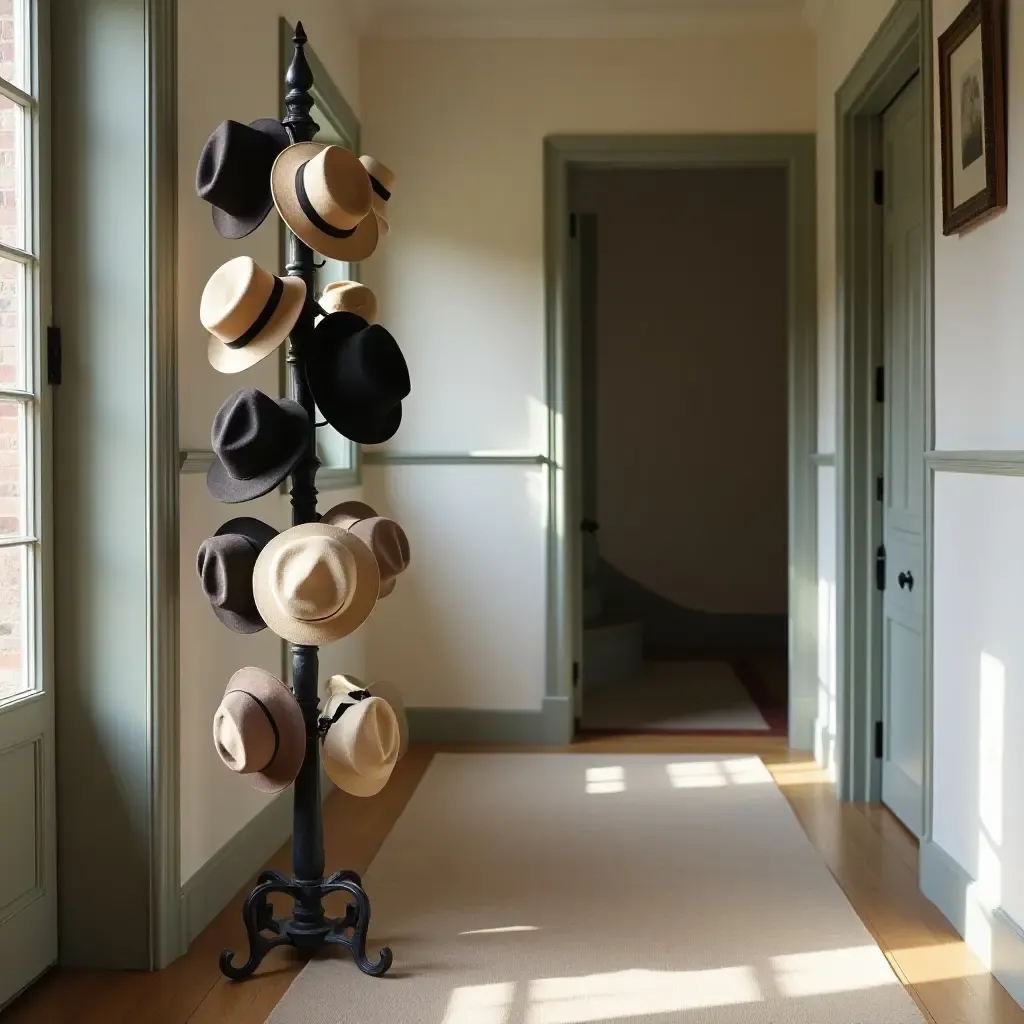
<point>248,313</point>
<point>382,181</point>
<point>344,686</point>
<point>315,583</point>
<point>349,297</point>
<point>323,194</point>
<point>360,749</point>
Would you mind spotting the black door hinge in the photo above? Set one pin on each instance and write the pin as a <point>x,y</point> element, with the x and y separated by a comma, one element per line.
<point>879,383</point>
<point>879,736</point>
<point>575,674</point>
<point>880,488</point>
<point>572,225</point>
<point>880,567</point>
<point>53,355</point>
<point>879,188</point>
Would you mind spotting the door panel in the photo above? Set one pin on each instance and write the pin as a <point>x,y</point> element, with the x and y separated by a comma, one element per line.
<point>903,512</point>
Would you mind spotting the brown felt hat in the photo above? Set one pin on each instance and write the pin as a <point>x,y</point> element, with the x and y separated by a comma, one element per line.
<point>386,539</point>
<point>258,730</point>
<point>315,583</point>
<point>323,194</point>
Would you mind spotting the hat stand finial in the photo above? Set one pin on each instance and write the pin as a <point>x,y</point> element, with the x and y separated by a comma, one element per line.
<point>297,101</point>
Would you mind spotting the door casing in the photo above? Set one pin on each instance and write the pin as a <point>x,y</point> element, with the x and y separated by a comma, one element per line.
<point>901,47</point>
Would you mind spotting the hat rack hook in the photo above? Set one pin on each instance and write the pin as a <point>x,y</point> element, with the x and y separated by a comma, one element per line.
<point>308,928</point>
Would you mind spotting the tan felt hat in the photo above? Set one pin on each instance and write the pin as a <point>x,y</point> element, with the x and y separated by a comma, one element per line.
<point>349,297</point>
<point>382,180</point>
<point>258,730</point>
<point>386,539</point>
<point>248,312</point>
<point>344,686</point>
<point>314,584</point>
<point>323,194</point>
<point>360,750</point>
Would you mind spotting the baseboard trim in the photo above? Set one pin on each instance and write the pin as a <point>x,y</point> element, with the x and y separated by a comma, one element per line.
<point>954,892</point>
<point>549,725</point>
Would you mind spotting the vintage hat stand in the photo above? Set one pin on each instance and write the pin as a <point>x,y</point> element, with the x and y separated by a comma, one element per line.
<point>308,928</point>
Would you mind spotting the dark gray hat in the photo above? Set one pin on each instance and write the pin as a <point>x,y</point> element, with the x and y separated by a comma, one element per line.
<point>257,441</point>
<point>233,175</point>
<point>225,563</point>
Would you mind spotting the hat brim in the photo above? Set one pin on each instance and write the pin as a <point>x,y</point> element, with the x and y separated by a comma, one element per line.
<point>224,487</point>
<point>342,686</point>
<point>233,360</point>
<point>339,771</point>
<point>351,249</point>
<point>291,728</point>
<point>346,513</point>
<point>228,226</point>
<point>343,622</point>
<point>260,534</point>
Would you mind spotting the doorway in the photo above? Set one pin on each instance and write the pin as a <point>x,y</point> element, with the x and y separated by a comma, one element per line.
<point>682,285</point>
<point>883,591</point>
<point>566,156</point>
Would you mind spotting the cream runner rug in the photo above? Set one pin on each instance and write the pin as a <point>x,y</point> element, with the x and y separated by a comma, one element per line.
<point>578,889</point>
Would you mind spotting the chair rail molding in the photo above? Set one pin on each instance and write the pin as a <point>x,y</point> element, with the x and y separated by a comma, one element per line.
<point>992,463</point>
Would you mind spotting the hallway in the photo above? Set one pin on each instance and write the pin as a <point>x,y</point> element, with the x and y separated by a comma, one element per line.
<point>868,852</point>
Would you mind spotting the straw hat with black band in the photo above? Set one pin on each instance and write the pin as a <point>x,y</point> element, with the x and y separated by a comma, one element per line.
<point>382,181</point>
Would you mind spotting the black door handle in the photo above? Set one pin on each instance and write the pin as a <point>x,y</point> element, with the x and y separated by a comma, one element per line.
<point>906,579</point>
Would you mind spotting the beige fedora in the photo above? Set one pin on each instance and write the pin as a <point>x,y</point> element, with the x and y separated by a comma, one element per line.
<point>258,730</point>
<point>349,297</point>
<point>315,583</point>
<point>360,749</point>
<point>345,686</point>
<point>323,194</point>
<point>385,538</point>
<point>382,181</point>
<point>248,312</point>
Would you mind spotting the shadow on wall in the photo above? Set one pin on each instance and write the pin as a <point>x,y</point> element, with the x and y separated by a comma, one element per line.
<point>673,632</point>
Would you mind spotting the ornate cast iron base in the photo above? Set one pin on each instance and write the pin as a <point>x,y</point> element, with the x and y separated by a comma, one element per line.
<point>307,928</point>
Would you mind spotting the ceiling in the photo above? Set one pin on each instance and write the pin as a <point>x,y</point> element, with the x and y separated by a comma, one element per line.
<point>570,18</point>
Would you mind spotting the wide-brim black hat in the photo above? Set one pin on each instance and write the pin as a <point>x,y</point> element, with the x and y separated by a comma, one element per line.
<point>257,534</point>
<point>289,445</point>
<point>358,377</point>
<point>233,173</point>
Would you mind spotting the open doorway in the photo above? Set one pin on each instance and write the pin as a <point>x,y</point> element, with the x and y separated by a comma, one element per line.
<point>683,330</point>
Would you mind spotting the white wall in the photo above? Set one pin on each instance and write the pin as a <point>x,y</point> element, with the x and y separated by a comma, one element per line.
<point>691,381</point>
<point>462,286</point>
<point>224,72</point>
<point>979,554</point>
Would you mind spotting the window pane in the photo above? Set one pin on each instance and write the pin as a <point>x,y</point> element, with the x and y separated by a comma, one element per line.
<point>13,676</point>
<point>12,179</point>
<point>12,41</point>
<point>12,469</point>
<point>12,324</point>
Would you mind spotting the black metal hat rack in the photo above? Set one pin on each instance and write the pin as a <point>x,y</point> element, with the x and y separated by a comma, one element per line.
<point>308,927</point>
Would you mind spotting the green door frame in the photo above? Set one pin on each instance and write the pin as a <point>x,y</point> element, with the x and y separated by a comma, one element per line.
<point>795,153</point>
<point>900,47</point>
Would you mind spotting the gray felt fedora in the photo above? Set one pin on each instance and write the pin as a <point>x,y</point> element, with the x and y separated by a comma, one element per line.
<point>257,441</point>
<point>225,563</point>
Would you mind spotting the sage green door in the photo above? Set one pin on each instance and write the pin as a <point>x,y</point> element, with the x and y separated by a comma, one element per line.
<point>903,611</point>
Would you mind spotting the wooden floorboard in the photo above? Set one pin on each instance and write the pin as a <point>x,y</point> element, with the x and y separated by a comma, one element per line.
<point>868,851</point>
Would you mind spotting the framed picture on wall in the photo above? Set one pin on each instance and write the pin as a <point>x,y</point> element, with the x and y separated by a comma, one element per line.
<point>972,113</point>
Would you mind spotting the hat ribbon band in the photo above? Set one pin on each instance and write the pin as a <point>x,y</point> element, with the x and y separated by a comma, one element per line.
<point>270,719</point>
<point>264,317</point>
<point>310,211</point>
<point>380,189</point>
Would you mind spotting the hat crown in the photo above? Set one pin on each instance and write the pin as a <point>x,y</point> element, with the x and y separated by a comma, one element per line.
<point>349,297</point>
<point>384,176</point>
<point>337,187</point>
<point>248,433</point>
<point>314,577</point>
<point>370,738</point>
<point>234,297</point>
<point>234,168</point>
<point>243,733</point>
<point>225,564</point>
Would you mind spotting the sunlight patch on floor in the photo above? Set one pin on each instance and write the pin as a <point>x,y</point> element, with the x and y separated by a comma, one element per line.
<point>832,970</point>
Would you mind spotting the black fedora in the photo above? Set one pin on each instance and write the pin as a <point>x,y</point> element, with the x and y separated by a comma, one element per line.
<point>225,563</point>
<point>257,441</point>
<point>234,173</point>
<point>358,377</point>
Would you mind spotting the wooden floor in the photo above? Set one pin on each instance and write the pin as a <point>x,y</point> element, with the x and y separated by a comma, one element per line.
<point>871,855</point>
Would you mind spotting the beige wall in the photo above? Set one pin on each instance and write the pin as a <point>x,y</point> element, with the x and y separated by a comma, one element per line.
<point>462,287</point>
<point>226,73</point>
<point>691,382</point>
